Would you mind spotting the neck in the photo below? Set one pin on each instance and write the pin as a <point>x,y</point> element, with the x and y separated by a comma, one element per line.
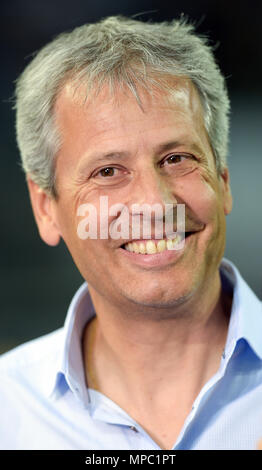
<point>141,352</point>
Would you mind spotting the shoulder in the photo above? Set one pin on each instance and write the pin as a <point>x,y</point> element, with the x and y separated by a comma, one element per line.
<point>26,375</point>
<point>31,354</point>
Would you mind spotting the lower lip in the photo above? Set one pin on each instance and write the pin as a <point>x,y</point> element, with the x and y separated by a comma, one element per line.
<point>157,259</point>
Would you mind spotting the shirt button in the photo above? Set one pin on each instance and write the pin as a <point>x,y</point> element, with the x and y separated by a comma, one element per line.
<point>133,428</point>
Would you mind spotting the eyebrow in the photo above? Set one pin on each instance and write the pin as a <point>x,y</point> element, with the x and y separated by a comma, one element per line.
<point>98,157</point>
<point>193,146</point>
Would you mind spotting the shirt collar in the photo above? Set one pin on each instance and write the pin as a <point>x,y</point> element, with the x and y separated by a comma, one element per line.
<point>246,312</point>
<point>68,370</point>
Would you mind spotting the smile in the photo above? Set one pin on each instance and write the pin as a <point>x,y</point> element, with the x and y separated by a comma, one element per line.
<point>155,254</point>
<point>151,247</point>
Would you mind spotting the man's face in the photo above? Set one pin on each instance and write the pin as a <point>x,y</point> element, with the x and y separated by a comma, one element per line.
<point>158,154</point>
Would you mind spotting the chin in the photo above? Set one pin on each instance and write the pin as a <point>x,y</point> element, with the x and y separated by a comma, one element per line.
<point>160,298</point>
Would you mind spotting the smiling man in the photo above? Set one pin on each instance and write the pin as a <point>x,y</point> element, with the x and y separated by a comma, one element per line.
<point>160,348</point>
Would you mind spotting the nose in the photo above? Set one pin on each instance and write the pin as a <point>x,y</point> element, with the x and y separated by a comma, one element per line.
<point>150,187</point>
<point>154,197</point>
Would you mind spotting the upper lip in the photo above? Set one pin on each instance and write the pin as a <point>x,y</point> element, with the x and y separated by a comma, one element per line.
<point>165,237</point>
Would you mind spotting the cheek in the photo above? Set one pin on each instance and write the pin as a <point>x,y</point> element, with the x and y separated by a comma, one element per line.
<point>73,221</point>
<point>200,197</point>
<point>93,222</point>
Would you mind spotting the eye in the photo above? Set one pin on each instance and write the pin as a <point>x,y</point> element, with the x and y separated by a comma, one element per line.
<point>175,158</point>
<point>107,172</point>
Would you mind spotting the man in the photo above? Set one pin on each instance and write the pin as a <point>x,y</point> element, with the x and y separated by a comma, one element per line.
<point>161,347</point>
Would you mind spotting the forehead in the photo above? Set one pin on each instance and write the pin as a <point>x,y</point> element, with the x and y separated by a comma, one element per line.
<point>88,121</point>
<point>179,93</point>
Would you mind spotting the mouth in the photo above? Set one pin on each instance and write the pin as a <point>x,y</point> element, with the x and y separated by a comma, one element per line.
<point>151,247</point>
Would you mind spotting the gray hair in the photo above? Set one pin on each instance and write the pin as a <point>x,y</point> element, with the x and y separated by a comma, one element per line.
<point>113,51</point>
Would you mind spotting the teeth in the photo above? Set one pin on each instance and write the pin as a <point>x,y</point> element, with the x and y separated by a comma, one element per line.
<point>169,244</point>
<point>135,247</point>
<point>150,247</point>
<point>161,246</point>
<point>142,248</point>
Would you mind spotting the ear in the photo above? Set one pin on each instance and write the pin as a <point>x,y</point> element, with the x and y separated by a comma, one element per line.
<point>226,191</point>
<point>43,206</point>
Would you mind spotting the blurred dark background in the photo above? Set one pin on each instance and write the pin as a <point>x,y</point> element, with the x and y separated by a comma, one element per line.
<point>37,282</point>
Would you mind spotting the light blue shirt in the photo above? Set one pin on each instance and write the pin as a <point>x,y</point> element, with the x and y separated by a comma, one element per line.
<point>45,402</point>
